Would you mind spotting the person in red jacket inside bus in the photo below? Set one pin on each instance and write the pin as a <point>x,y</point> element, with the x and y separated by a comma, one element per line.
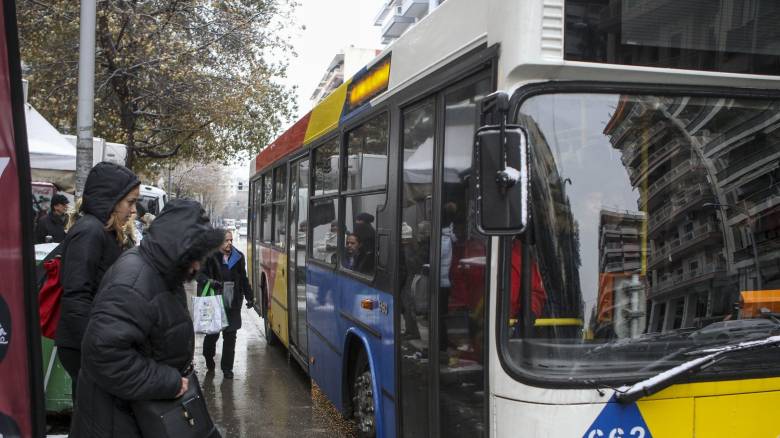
<point>538,294</point>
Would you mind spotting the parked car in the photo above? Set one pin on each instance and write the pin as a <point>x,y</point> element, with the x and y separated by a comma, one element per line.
<point>737,330</point>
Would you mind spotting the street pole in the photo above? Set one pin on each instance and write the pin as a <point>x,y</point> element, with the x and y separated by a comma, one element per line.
<point>752,224</point>
<point>751,231</point>
<point>84,146</point>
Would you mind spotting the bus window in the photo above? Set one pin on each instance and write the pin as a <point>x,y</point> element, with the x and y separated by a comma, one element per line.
<point>365,175</point>
<point>367,156</point>
<point>360,232</point>
<point>326,168</point>
<point>279,206</point>
<point>265,212</point>
<point>323,215</point>
<point>646,233</point>
<point>324,229</point>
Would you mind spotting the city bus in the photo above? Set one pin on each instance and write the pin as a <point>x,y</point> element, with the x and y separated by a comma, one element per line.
<point>537,218</point>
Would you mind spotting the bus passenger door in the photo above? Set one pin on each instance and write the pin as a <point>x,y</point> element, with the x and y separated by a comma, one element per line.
<point>442,269</point>
<point>296,280</point>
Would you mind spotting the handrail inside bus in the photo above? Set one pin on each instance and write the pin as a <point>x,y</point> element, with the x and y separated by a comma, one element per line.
<point>553,322</point>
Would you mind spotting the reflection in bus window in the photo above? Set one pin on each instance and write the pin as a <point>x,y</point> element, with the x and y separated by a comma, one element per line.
<point>644,259</point>
<point>367,156</point>
<point>326,168</point>
<point>414,266</point>
<point>324,229</point>
<point>462,261</point>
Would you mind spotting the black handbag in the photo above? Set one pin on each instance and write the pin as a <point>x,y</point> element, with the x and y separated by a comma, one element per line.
<point>184,417</point>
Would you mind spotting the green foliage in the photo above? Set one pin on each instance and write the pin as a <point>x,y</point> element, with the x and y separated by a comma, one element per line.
<point>184,80</point>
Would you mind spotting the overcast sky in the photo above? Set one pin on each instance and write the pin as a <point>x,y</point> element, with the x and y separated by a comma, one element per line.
<point>328,27</point>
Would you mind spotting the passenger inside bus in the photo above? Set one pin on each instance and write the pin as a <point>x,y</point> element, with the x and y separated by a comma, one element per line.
<point>538,294</point>
<point>359,249</point>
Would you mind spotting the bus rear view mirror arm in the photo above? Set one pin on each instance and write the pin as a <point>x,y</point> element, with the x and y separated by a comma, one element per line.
<point>501,169</point>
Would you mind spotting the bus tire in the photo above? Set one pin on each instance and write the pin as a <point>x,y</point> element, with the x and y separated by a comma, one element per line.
<point>270,336</point>
<point>363,409</point>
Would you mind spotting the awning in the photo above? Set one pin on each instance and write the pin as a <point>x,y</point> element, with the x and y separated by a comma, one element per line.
<point>48,148</point>
<point>752,301</point>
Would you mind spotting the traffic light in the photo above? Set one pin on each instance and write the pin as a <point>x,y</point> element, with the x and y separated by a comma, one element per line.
<point>240,186</point>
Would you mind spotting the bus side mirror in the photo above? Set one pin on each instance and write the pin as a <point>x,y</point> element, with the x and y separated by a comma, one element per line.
<point>501,164</point>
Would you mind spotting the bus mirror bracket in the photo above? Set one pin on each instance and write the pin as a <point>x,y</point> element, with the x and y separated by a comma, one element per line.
<point>501,170</point>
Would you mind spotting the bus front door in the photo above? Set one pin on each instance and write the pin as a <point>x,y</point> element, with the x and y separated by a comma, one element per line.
<point>442,269</point>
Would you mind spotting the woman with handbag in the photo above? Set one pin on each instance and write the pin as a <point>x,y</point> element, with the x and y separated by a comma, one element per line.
<point>136,378</point>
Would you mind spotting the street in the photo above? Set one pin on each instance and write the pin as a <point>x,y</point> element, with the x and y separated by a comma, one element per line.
<point>270,396</point>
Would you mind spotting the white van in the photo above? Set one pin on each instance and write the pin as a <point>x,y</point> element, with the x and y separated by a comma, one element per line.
<point>153,199</point>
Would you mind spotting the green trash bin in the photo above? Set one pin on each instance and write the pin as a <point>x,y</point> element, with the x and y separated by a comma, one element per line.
<point>56,381</point>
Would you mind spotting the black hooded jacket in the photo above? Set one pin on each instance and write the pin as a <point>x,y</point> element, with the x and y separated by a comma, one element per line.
<point>140,336</point>
<point>89,249</point>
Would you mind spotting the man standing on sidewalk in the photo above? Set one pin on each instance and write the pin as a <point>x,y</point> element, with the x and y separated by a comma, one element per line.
<point>227,271</point>
<point>53,224</point>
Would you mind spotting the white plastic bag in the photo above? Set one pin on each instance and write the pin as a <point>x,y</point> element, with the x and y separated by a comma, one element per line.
<point>208,312</point>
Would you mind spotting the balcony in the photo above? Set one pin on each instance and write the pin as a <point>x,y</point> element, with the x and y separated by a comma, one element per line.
<point>673,282</point>
<point>395,25</point>
<point>765,154</point>
<point>669,177</point>
<point>677,205</point>
<point>685,242</point>
<point>414,8</point>
<point>654,160</point>
<point>632,151</point>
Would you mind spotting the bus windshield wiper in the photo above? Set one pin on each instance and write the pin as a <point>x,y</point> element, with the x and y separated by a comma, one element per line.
<point>667,378</point>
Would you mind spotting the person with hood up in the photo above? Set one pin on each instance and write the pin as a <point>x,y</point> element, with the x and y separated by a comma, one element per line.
<point>226,267</point>
<point>92,245</point>
<point>139,342</point>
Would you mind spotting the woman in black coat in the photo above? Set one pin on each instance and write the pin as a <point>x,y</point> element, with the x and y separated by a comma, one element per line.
<point>227,265</point>
<point>91,246</point>
<point>140,341</point>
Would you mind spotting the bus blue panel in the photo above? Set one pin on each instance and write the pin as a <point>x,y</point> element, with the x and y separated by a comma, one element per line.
<point>322,369</point>
<point>388,407</point>
<point>335,317</point>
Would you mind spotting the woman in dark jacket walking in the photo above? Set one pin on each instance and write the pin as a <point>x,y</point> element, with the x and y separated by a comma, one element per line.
<point>140,341</point>
<point>92,245</point>
<point>227,265</point>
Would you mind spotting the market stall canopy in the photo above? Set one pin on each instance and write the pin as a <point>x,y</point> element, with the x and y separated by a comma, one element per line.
<point>48,148</point>
<point>52,157</point>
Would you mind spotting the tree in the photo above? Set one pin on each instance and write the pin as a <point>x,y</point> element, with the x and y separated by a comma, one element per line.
<point>207,183</point>
<point>180,79</point>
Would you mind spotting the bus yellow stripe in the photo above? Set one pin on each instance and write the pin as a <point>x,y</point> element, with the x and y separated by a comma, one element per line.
<point>325,116</point>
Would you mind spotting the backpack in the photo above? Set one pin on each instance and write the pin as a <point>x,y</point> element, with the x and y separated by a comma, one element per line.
<point>50,294</point>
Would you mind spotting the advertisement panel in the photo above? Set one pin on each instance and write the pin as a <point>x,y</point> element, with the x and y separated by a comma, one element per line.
<point>20,389</point>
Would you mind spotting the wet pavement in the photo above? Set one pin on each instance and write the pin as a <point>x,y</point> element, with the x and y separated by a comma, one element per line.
<point>270,396</point>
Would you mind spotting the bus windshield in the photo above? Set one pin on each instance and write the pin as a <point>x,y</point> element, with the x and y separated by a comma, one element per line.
<point>655,233</point>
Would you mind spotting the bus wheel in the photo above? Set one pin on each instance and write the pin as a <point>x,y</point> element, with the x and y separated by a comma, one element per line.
<point>270,336</point>
<point>363,409</point>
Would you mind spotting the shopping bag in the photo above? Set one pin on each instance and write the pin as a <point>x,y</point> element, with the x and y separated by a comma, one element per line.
<point>208,312</point>
<point>225,321</point>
